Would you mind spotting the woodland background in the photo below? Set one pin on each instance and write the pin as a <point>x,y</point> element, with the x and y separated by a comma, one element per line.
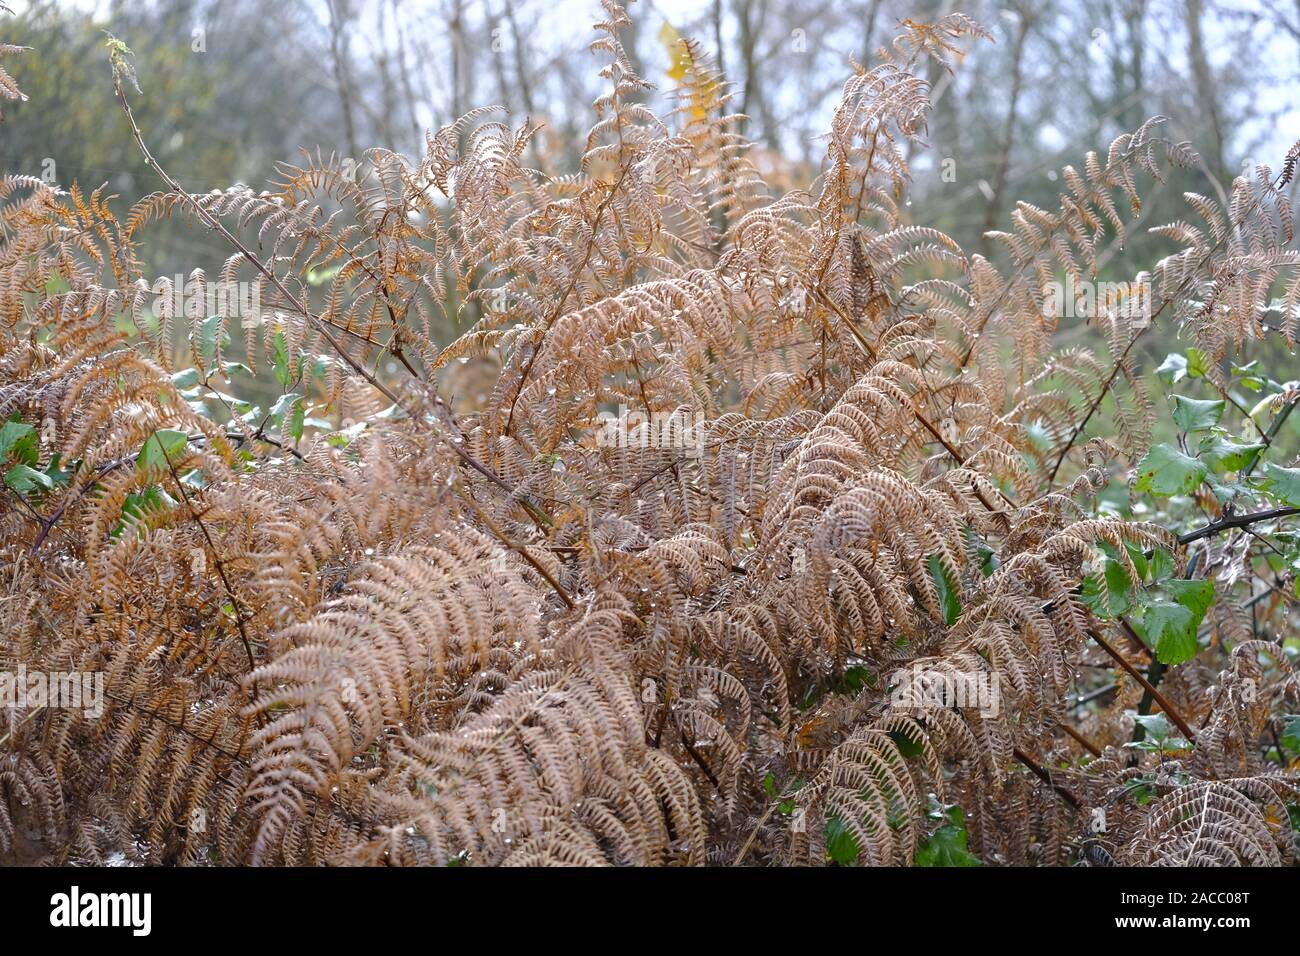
<point>234,86</point>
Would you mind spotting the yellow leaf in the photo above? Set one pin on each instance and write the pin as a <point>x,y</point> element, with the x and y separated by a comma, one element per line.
<point>672,41</point>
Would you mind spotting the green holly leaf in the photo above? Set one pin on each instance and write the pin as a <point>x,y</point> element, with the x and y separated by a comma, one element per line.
<point>1157,737</point>
<point>1193,414</point>
<point>1165,471</point>
<point>1156,726</point>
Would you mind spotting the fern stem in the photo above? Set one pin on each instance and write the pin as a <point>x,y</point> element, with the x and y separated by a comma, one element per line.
<point>1147,686</point>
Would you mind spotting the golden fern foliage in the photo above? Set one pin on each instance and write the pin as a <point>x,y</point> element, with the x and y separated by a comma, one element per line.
<point>481,630</point>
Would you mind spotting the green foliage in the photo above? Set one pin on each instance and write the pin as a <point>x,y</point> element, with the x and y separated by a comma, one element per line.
<point>1158,735</point>
<point>160,452</point>
<point>946,846</point>
<point>949,591</point>
<point>841,845</point>
<point>1283,484</point>
<point>1192,414</point>
<point>1167,471</point>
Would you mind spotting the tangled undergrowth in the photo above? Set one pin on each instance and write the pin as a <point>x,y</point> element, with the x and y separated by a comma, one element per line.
<point>447,604</point>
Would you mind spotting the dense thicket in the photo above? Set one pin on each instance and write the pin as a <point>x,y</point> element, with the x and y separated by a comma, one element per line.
<point>443,604</point>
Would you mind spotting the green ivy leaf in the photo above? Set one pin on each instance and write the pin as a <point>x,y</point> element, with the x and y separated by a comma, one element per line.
<point>209,329</point>
<point>949,601</point>
<point>1247,378</point>
<point>165,445</point>
<point>1225,455</point>
<point>1173,369</point>
<point>1165,471</point>
<point>20,440</point>
<point>947,845</point>
<point>1193,414</point>
<point>1283,483</point>
<point>186,378</point>
<point>1198,365</point>
<point>841,844</point>
<point>1171,630</point>
<point>280,351</point>
<point>283,406</point>
<point>24,478</point>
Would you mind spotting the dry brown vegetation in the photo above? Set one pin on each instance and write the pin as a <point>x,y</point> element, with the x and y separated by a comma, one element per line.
<point>464,629</point>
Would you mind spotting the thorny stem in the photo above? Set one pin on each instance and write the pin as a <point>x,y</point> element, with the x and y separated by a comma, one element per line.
<point>1236,521</point>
